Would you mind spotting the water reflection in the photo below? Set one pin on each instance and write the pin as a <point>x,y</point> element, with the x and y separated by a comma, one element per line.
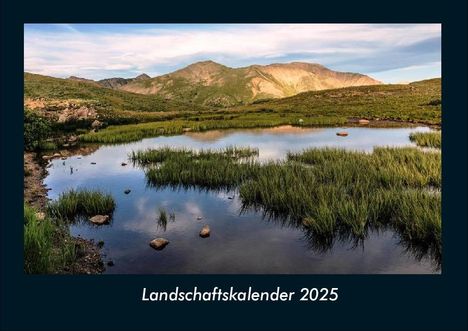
<point>242,240</point>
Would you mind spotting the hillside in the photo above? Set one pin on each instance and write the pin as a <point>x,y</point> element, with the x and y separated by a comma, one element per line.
<point>55,97</point>
<point>213,84</point>
<point>415,102</point>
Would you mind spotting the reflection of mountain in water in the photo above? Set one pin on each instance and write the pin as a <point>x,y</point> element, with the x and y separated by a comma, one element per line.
<point>214,135</point>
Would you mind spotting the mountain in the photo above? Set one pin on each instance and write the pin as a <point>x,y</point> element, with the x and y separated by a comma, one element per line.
<point>213,84</point>
<point>77,99</point>
<point>113,83</point>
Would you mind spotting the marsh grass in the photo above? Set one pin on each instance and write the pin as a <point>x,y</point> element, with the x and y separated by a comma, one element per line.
<point>427,139</point>
<point>74,204</point>
<point>152,156</point>
<point>327,191</point>
<point>47,145</point>
<point>134,132</point>
<point>164,217</point>
<point>47,246</point>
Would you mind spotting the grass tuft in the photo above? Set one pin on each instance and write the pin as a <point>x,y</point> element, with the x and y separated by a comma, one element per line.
<point>427,139</point>
<point>85,203</point>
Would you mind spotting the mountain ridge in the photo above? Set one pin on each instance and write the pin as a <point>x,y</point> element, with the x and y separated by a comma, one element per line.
<point>213,84</point>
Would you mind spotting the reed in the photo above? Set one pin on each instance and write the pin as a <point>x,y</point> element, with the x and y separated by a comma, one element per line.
<point>427,139</point>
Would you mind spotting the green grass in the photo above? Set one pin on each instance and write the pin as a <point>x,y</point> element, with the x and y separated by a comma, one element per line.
<point>38,236</point>
<point>409,103</point>
<point>206,168</point>
<point>329,191</point>
<point>47,246</point>
<point>427,139</point>
<point>47,145</point>
<point>166,153</point>
<point>85,203</point>
<point>134,132</point>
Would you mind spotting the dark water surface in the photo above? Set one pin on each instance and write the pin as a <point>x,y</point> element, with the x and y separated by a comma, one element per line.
<point>240,242</point>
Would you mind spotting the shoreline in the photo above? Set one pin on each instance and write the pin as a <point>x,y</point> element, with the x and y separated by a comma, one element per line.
<point>88,255</point>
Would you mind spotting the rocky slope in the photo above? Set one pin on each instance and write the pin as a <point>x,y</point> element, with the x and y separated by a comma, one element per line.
<point>213,84</point>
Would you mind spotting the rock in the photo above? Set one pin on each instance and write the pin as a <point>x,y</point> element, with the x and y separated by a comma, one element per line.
<point>230,198</point>
<point>199,218</point>
<point>187,129</point>
<point>65,145</point>
<point>159,243</point>
<point>93,162</point>
<point>46,157</point>
<point>363,121</point>
<point>40,215</point>
<point>110,263</point>
<point>72,139</point>
<point>57,155</point>
<point>123,164</point>
<point>205,231</point>
<point>64,158</point>
<point>100,219</point>
<point>96,124</point>
<point>342,133</point>
<point>100,243</point>
<point>300,121</point>
<point>127,191</point>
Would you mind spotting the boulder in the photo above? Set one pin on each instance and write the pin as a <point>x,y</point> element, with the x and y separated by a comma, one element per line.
<point>72,139</point>
<point>342,133</point>
<point>46,157</point>
<point>363,121</point>
<point>57,155</point>
<point>100,219</point>
<point>205,231</point>
<point>199,218</point>
<point>40,215</point>
<point>93,162</point>
<point>159,243</point>
<point>127,191</point>
<point>123,164</point>
<point>187,129</point>
<point>96,124</point>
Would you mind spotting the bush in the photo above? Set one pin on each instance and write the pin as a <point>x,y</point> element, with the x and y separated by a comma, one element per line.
<point>36,129</point>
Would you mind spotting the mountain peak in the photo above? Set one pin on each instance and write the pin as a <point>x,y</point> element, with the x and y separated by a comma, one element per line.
<point>142,76</point>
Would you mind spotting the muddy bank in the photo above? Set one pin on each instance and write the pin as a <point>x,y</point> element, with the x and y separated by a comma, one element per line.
<point>88,257</point>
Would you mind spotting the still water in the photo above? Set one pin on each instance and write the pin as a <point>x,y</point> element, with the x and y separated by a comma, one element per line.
<point>240,242</point>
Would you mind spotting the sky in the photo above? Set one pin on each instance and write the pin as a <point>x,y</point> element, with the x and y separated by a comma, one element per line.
<point>392,53</point>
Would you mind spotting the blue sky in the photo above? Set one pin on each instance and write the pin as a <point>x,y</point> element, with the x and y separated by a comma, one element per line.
<point>392,53</point>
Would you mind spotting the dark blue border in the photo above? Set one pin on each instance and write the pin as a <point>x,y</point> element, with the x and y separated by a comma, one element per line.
<point>112,302</point>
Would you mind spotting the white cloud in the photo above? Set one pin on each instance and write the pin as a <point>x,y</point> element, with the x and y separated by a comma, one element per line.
<point>96,54</point>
